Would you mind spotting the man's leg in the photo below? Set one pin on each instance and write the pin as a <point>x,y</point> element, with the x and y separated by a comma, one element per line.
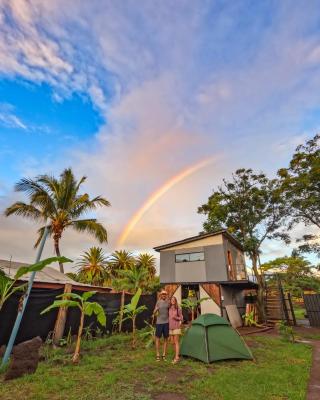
<point>158,346</point>
<point>165,345</point>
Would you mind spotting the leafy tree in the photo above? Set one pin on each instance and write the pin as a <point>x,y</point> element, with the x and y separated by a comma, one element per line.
<point>9,286</point>
<point>147,261</point>
<point>250,207</point>
<point>86,308</point>
<point>121,260</point>
<point>131,311</point>
<point>59,202</point>
<point>93,267</point>
<point>296,273</point>
<point>300,183</point>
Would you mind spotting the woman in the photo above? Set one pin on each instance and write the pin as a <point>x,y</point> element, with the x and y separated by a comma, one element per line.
<point>175,320</point>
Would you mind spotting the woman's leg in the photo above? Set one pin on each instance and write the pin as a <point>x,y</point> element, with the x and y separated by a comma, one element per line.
<point>177,346</point>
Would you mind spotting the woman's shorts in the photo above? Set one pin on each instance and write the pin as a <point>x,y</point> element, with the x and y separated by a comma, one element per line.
<point>175,331</point>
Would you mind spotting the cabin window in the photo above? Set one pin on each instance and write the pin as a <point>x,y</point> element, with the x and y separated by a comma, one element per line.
<point>187,257</point>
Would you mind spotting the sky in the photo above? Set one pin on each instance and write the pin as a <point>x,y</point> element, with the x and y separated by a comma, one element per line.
<point>155,102</point>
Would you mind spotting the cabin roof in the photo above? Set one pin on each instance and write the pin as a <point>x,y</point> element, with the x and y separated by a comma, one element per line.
<point>47,276</point>
<point>191,239</point>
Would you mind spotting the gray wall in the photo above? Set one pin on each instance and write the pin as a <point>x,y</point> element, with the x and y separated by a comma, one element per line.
<point>167,267</point>
<point>215,263</point>
<point>212,269</point>
<point>232,295</point>
<point>194,271</point>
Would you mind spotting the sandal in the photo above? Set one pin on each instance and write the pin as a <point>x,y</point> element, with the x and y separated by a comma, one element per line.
<point>164,358</point>
<point>158,358</point>
<point>175,360</point>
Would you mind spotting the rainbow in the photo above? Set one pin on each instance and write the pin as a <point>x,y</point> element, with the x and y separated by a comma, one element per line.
<point>155,196</point>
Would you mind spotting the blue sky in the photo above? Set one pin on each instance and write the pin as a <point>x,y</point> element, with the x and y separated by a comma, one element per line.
<point>132,95</point>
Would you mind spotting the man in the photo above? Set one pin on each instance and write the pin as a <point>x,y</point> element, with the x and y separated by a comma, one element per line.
<point>162,323</point>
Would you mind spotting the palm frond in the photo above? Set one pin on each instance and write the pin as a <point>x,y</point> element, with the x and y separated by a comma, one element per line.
<point>24,210</point>
<point>92,227</point>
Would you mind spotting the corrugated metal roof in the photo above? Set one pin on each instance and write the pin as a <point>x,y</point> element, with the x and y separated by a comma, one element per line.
<point>47,275</point>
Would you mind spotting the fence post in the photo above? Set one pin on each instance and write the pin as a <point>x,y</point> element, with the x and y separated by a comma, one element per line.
<point>61,318</point>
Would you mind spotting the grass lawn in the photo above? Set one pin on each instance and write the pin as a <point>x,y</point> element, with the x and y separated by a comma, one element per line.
<point>109,369</point>
<point>299,312</point>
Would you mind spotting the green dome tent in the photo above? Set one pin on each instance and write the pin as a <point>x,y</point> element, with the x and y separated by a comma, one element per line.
<point>211,338</point>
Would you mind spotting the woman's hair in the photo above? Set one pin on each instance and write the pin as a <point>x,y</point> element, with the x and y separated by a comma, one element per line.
<point>175,302</point>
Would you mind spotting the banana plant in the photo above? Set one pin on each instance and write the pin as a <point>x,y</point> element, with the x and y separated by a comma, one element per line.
<point>191,305</point>
<point>9,286</point>
<point>131,311</point>
<point>86,308</point>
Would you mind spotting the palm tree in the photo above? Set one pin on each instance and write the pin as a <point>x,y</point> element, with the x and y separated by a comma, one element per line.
<point>121,260</point>
<point>132,279</point>
<point>148,262</point>
<point>93,266</point>
<point>59,202</point>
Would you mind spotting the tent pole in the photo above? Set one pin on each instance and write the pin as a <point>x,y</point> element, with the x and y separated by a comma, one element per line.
<point>17,323</point>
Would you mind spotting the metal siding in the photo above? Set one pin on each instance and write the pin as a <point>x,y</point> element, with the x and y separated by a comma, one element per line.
<point>312,304</point>
<point>167,266</point>
<point>215,263</point>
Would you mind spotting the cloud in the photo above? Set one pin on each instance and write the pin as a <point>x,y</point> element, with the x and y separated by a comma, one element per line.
<point>175,83</point>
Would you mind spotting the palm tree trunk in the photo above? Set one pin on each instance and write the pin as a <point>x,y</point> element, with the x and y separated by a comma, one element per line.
<point>76,354</point>
<point>57,250</point>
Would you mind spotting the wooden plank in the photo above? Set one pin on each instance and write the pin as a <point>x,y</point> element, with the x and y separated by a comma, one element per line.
<point>213,291</point>
<point>61,318</point>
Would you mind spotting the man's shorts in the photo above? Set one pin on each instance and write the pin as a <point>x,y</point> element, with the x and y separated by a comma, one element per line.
<point>162,330</point>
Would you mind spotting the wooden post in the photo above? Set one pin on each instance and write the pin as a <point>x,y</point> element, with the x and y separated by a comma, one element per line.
<point>61,318</point>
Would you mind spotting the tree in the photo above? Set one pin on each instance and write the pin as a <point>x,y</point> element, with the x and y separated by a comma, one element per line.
<point>86,308</point>
<point>59,202</point>
<point>147,261</point>
<point>131,311</point>
<point>93,267</point>
<point>250,207</point>
<point>132,279</point>
<point>9,286</point>
<point>121,260</point>
<point>296,273</point>
<point>300,183</point>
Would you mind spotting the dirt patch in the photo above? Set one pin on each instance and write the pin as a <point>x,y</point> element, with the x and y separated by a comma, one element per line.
<point>169,396</point>
<point>314,381</point>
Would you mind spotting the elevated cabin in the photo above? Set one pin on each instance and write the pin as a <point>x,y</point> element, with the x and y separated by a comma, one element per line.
<point>208,265</point>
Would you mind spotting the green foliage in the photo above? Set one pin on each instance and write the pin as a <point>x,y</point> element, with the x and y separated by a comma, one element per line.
<point>131,311</point>
<point>301,189</point>
<point>249,319</point>
<point>93,267</point>
<point>59,202</point>
<point>286,331</point>
<point>148,334</point>
<point>85,307</point>
<point>296,274</point>
<point>130,273</point>
<point>39,266</point>
<point>250,207</point>
<point>191,304</point>
<point>9,286</point>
